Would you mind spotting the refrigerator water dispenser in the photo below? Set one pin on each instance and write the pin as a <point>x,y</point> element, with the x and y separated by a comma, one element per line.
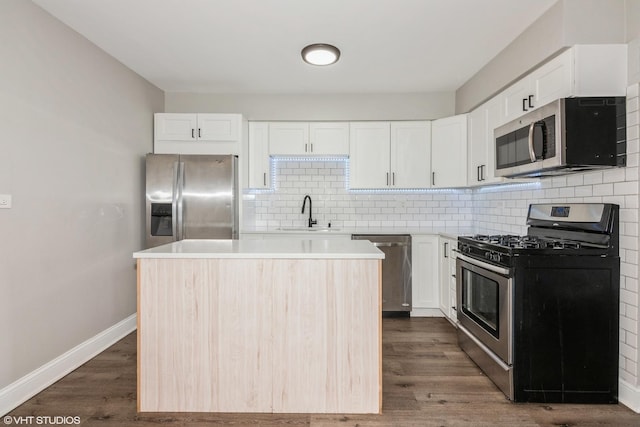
<point>161,219</point>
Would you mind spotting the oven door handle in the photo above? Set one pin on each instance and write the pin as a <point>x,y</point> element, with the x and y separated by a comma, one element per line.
<point>482,264</point>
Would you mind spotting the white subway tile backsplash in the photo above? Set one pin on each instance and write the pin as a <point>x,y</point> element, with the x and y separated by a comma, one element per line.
<point>591,178</point>
<point>613,175</point>
<point>602,189</point>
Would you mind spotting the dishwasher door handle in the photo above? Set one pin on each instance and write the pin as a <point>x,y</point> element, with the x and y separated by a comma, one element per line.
<point>389,244</point>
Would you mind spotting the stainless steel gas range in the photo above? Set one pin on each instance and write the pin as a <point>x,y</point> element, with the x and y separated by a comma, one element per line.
<point>539,313</point>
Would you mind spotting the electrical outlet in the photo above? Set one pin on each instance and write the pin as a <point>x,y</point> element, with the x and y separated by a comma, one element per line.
<point>5,201</point>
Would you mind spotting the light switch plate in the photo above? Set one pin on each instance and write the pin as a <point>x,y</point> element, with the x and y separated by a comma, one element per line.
<point>5,201</point>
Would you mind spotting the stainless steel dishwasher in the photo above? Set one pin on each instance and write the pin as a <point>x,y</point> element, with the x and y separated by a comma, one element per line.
<point>396,270</point>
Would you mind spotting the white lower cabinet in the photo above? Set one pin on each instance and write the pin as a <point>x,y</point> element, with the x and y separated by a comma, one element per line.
<point>447,280</point>
<point>424,276</point>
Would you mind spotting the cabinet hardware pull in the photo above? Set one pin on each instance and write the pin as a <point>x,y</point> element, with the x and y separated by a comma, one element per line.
<point>482,178</point>
<point>264,178</point>
<point>393,178</point>
<point>387,178</point>
<point>445,249</point>
<point>193,133</point>
<point>433,178</point>
<point>305,147</point>
<point>524,107</point>
<point>478,176</point>
<point>530,99</point>
<point>312,147</point>
<point>199,133</point>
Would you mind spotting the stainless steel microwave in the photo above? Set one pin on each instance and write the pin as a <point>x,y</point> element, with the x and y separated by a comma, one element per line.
<point>567,135</point>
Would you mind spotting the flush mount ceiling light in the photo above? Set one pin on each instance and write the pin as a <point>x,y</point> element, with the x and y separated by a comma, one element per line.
<point>320,54</point>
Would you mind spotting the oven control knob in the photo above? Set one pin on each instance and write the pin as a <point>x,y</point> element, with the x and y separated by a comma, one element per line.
<point>492,256</point>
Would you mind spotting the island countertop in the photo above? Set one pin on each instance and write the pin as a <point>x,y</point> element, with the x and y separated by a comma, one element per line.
<point>265,249</point>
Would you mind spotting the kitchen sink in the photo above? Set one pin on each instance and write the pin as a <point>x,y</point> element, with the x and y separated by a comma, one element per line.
<point>305,229</point>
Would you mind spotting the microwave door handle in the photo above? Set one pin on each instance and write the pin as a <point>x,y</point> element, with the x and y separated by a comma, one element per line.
<point>532,152</point>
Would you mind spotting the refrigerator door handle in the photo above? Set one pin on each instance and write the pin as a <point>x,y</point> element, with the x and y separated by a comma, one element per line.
<point>180,202</point>
<point>174,201</point>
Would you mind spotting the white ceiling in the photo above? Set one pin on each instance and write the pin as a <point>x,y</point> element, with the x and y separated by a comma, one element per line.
<point>253,46</point>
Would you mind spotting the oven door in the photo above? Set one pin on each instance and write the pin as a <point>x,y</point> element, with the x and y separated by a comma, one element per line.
<point>484,297</point>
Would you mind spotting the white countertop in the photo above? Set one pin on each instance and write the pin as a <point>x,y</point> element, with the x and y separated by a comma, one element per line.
<point>278,248</point>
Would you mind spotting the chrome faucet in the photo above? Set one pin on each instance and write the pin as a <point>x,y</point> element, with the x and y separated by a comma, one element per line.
<point>304,202</point>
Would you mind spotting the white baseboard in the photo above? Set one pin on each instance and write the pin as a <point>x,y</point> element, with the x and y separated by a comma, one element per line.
<point>629,395</point>
<point>426,312</point>
<point>34,382</point>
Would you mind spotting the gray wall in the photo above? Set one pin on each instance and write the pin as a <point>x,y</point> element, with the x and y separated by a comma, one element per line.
<point>74,126</point>
<point>566,23</point>
<point>418,106</point>
<point>633,37</point>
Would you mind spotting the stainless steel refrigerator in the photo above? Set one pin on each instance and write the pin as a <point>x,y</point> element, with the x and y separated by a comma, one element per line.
<point>191,197</point>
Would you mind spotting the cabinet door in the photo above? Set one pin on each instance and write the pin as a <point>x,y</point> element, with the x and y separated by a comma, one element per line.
<point>424,275</point>
<point>218,127</point>
<point>553,80</point>
<point>288,138</point>
<point>175,127</point>
<point>329,138</point>
<point>410,154</point>
<point>444,282</point>
<point>259,170</point>
<point>369,148</point>
<point>492,116</point>
<point>449,152</point>
<point>453,302</point>
<point>515,100</point>
<point>477,145</point>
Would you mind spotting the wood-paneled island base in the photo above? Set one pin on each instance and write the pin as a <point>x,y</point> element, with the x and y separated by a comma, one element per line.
<point>286,326</point>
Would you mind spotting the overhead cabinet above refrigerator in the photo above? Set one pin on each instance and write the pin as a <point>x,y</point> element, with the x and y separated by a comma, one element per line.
<point>198,133</point>
<point>190,197</point>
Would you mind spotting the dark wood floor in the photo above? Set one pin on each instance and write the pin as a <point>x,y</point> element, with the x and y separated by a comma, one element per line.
<point>428,381</point>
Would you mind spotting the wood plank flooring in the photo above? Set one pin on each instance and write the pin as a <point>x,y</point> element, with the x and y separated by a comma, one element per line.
<point>428,381</point>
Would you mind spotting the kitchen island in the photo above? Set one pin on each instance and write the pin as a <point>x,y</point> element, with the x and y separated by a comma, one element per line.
<point>283,326</point>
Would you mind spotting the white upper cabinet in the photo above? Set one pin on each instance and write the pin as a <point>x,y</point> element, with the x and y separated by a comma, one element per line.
<point>449,152</point>
<point>370,154</point>
<point>196,133</point>
<point>551,81</point>
<point>288,138</point>
<point>389,154</point>
<point>410,154</point>
<point>329,138</point>
<point>175,127</point>
<point>218,127</point>
<point>481,123</point>
<point>477,150</point>
<point>583,70</point>
<point>196,127</point>
<point>259,165</point>
<point>309,138</point>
